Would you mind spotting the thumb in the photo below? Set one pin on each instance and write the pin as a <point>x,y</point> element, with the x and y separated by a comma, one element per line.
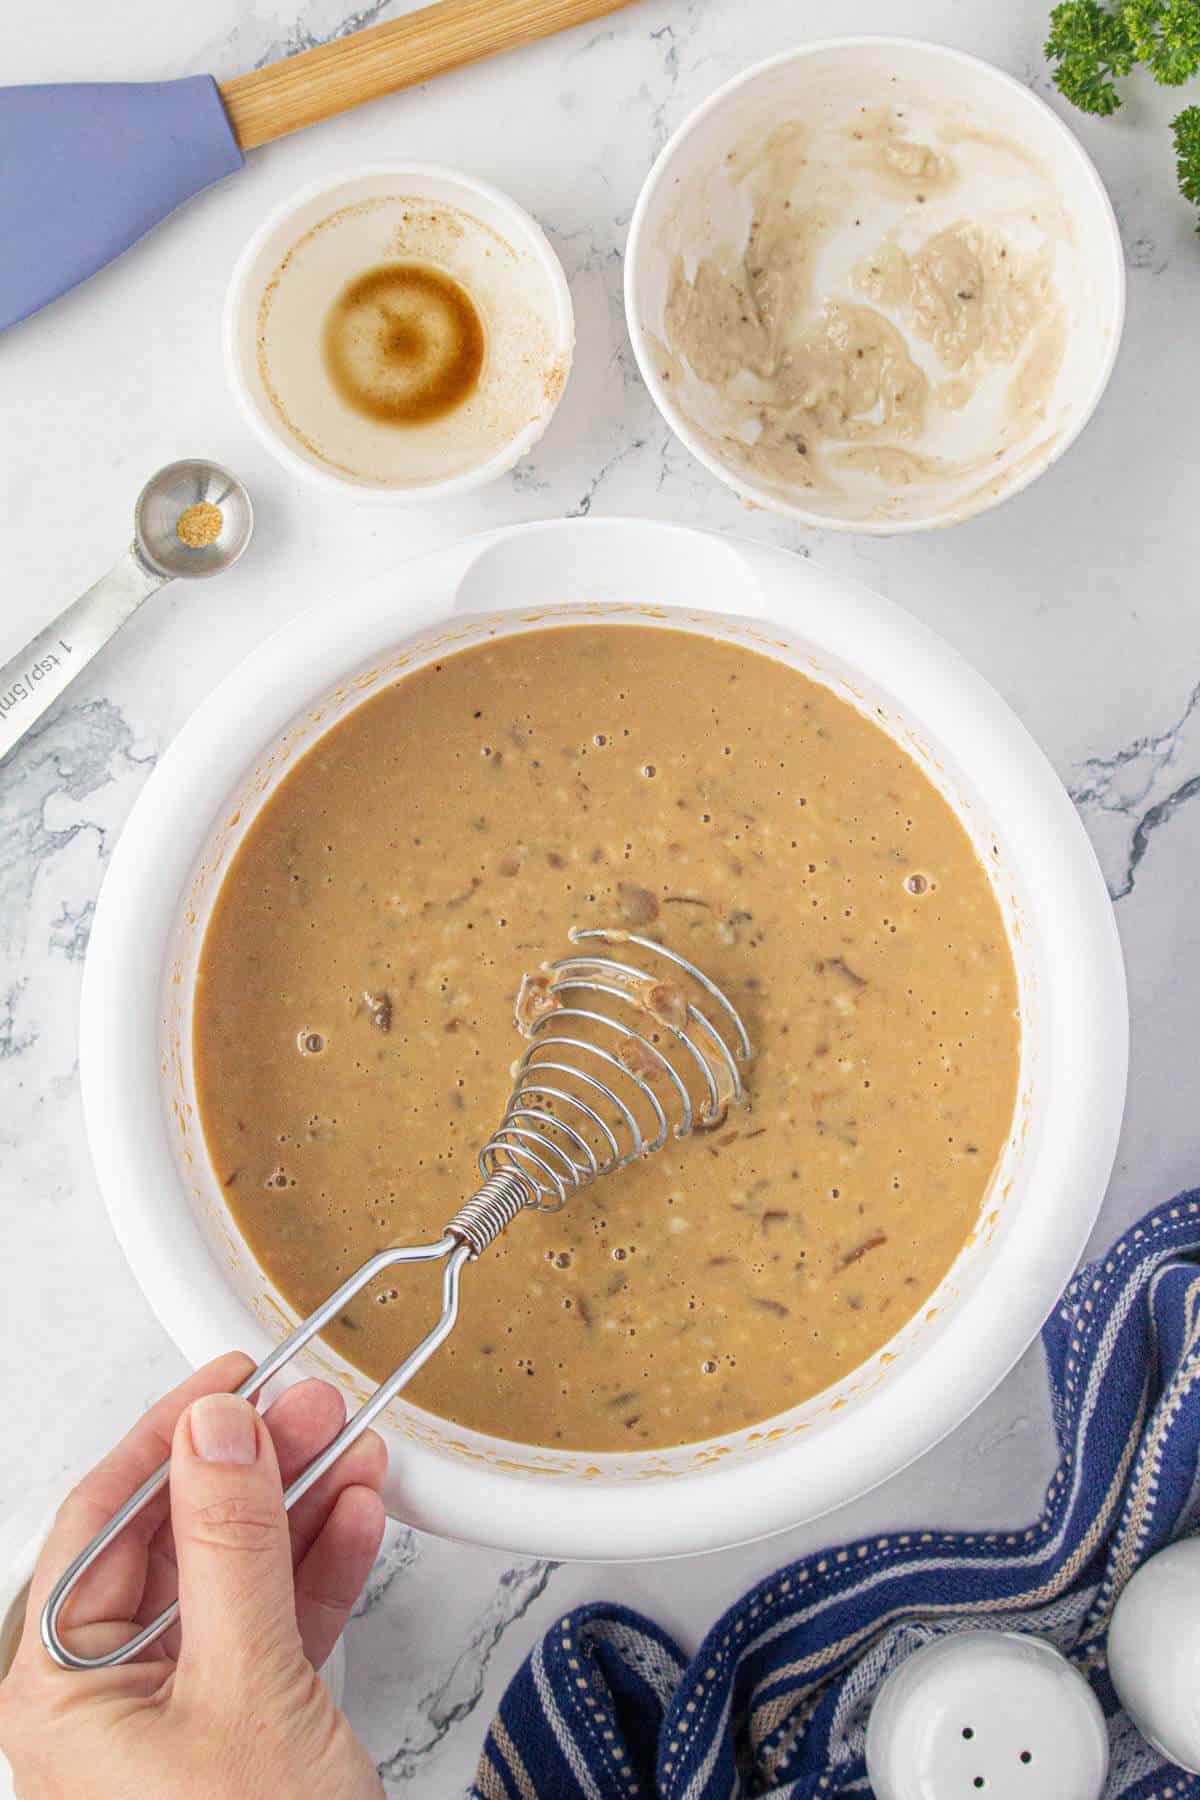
<point>236,1593</point>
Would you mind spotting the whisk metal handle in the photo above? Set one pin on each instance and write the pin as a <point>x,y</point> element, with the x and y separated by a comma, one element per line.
<point>456,1249</point>
<point>541,1152</point>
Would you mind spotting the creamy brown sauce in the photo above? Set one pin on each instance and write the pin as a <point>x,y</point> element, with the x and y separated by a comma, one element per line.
<point>805,385</point>
<point>354,1027</point>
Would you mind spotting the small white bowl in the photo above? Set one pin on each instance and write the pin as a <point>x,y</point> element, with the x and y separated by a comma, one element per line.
<point>303,256</point>
<point>1018,170</point>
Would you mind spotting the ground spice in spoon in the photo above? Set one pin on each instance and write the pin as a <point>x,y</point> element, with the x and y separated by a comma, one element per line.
<point>199,525</point>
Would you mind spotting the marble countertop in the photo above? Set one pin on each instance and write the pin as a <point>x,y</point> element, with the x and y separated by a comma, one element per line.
<point>1078,600</point>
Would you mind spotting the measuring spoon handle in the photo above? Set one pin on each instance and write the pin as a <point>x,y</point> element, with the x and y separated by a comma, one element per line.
<point>35,677</point>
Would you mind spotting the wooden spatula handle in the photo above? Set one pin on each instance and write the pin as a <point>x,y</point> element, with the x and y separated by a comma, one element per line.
<point>318,84</point>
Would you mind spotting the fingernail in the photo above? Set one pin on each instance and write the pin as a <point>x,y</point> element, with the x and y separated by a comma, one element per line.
<point>224,1429</point>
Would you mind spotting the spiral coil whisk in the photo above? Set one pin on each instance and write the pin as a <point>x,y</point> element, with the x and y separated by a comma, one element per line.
<point>592,1066</point>
<point>621,1057</point>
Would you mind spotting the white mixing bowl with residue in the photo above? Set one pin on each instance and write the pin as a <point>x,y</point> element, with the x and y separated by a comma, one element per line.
<point>875,284</point>
<point>166,1201</point>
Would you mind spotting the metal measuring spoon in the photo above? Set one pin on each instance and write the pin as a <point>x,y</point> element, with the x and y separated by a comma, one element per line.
<point>37,675</point>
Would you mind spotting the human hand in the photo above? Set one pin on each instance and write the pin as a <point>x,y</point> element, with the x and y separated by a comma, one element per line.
<point>228,1703</point>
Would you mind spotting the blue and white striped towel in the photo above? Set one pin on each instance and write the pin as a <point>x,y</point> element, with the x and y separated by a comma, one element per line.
<point>777,1699</point>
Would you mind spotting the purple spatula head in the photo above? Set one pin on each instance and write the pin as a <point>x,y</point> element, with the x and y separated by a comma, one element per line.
<point>87,169</point>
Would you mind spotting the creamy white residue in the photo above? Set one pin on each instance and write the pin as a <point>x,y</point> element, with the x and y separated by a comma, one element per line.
<point>803,387</point>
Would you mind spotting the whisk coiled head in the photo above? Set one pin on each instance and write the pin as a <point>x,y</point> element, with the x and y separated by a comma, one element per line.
<point>622,1057</point>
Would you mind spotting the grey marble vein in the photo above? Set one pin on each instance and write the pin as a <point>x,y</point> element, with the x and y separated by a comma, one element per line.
<point>70,930</point>
<point>599,248</point>
<point>398,1556</point>
<point>607,34</point>
<point>303,37</point>
<point>14,1040</point>
<point>1141,252</point>
<point>1128,796</point>
<point>453,1691</point>
<point>583,505</point>
<point>667,39</point>
<point>674,40</point>
<point>527,478</point>
<point>1151,819</point>
<point>62,1087</point>
<point>1002,1434</point>
<point>78,750</point>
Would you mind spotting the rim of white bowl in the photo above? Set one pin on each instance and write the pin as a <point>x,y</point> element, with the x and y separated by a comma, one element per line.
<point>524,227</point>
<point>747,491</point>
<point>599,1520</point>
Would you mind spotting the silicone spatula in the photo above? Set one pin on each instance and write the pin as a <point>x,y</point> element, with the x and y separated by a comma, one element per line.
<point>87,169</point>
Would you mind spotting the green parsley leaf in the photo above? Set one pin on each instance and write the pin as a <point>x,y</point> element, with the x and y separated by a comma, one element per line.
<point>1090,47</point>
<point>1165,35</point>
<point>1093,45</point>
<point>1186,129</point>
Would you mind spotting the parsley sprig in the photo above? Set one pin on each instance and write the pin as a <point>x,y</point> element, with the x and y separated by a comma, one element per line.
<point>1187,153</point>
<point>1094,44</point>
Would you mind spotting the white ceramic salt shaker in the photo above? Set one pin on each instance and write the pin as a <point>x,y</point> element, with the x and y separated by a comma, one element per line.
<point>1154,1652</point>
<point>989,1713</point>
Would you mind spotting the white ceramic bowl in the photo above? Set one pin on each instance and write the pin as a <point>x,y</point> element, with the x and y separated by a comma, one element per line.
<point>516,266</point>
<point>689,203</point>
<point>167,1205</point>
